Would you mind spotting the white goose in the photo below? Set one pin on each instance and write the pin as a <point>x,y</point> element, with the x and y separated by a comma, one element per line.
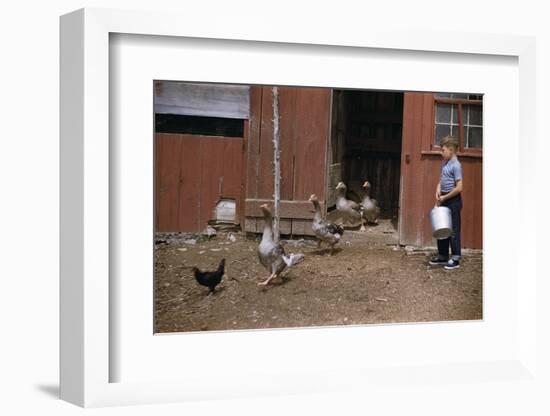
<point>272,255</point>
<point>371,208</point>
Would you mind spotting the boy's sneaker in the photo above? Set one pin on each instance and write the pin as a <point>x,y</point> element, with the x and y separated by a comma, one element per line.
<point>452,264</point>
<point>438,261</point>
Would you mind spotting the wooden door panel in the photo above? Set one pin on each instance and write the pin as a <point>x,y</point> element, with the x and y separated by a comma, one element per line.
<point>189,191</point>
<point>304,135</point>
<point>192,173</point>
<point>420,170</point>
<point>167,171</point>
<point>412,181</point>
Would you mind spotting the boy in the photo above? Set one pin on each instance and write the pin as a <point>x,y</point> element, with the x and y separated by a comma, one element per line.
<point>448,194</point>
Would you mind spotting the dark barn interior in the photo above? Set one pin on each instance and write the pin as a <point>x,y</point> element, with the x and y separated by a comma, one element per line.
<point>366,142</point>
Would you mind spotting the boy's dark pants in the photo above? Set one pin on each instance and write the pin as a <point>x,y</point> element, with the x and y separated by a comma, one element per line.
<point>455,205</point>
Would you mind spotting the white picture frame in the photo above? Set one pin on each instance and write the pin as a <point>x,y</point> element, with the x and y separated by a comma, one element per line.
<point>86,355</point>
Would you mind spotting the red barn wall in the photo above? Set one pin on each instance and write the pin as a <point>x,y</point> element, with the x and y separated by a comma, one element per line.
<point>420,170</point>
<point>192,173</point>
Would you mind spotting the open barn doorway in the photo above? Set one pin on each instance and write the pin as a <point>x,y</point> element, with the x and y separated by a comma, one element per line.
<point>366,138</point>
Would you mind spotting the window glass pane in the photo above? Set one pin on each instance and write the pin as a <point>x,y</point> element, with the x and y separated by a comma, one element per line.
<point>444,113</point>
<point>475,97</point>
<point>475,115</point>
<point>471,120</point>
<point>473,136</point>
<point>441,130</point>
<point>459,96</point>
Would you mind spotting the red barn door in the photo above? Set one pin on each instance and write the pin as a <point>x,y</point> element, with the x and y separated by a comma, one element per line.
<point>192,173</point>
<point>420,169</point>
<point>304,136</point>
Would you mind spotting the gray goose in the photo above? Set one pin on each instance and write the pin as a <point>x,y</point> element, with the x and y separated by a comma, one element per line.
<point>325,231</point>
<point>346,208</point>
<point>371,208</point>
<point>272,255</point>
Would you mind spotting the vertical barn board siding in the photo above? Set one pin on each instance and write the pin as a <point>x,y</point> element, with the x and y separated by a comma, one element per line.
<point>244,169</point>
<point>253,147</point>
<point>265,169</point>
<point>312,130</point>
<point>168,190</point>
<point>411,170</point>
<point>478,241</point>
<point>288,115</point>
<point>231,152</point>
<point>158,151</point>
<point>468,219</point>
<point>189,185</point>
<point>211,178</point>
<point>430,167</point>
<point>421,175</point>
<point>193,172</point>
<point>472,220</point>
<point>253,154</point>
<point>304,128</point>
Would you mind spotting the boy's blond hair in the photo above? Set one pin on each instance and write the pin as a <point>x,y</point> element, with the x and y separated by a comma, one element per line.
<point>450,141</point>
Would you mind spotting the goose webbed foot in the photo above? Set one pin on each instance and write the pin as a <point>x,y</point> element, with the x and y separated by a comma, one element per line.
<point>265,282</point>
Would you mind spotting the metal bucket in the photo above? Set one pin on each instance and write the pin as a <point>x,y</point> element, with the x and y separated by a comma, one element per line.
<point>442,223</point>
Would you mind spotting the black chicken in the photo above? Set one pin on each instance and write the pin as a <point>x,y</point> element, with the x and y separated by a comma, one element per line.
<point>210,279</point>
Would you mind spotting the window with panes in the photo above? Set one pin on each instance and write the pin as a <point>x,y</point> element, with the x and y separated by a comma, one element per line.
<point>461,116</point>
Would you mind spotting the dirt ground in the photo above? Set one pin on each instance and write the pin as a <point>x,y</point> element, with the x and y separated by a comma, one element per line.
<point>364,282</point>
